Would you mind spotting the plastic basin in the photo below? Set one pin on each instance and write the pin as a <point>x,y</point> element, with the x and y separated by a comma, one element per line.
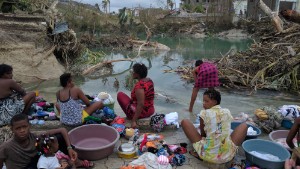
<point>94,141</point>
<point>279,136</point>
<point>258,131</point>
<point>265,147</point>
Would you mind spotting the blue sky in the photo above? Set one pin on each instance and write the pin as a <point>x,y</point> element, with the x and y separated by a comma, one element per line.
<point>117,4</point>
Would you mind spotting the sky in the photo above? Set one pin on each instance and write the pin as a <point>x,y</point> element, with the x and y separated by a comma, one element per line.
<point>118,4</point>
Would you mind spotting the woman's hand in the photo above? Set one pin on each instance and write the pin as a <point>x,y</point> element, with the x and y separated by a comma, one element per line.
<point>290,164</point>
<point>73,154</point>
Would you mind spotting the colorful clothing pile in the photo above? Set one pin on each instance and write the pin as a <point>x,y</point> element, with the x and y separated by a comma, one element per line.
<point>272,122</point>
<point>166,154</point>
<point>159,121</point>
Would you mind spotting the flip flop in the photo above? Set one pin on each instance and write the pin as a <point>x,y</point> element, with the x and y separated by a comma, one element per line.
<point>87,164</point>
<point>194,154</point>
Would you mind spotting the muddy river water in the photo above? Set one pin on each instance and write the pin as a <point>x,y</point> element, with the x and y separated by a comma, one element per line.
<point>173,94</point>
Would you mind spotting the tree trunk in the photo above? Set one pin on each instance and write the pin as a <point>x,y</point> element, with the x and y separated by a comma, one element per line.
<point>275,18</point>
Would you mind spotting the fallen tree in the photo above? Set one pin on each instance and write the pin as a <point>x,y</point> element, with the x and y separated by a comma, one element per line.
<point>274,16</point>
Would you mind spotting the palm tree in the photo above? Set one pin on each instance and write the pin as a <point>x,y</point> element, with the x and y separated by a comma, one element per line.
<point>104,5</point>
<point>123,16</point>
<point>170,4</point>
<point>108,1</point>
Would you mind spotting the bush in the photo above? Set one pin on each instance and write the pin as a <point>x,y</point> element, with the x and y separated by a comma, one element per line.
<point>187,7</point>
<point>199,9</point>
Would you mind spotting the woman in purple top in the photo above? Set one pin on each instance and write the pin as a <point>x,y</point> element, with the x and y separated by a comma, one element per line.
<point>205,76</point>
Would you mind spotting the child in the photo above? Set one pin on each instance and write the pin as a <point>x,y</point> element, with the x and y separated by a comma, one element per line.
<point>20,150</point>
<point>51,158</point>
<point>215,144</point>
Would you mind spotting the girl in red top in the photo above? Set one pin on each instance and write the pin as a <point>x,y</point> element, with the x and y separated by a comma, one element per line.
<point>141,103</point>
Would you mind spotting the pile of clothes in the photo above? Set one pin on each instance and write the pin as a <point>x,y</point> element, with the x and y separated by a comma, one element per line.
<point>289,112</point>
<point>159,121</point>
<point>41,110</point>
<point>267,118</point>
<point>270,118</point>
<point>107,114</point>
<point>155,152</point>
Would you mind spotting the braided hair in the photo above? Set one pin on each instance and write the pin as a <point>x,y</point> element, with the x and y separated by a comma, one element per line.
<point>214,95</point>
<point>45,143</point>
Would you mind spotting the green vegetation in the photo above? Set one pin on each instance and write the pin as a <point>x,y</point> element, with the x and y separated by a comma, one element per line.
<point>187,7</point>
<point>91,57</point>
<point>86,18</point>
<point>11,6</point>
<point>199,8</point>
<point>190,8</point>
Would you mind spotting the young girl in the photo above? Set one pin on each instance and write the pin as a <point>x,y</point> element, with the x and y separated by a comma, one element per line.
<point>215,144</point>
<point>51,158</point>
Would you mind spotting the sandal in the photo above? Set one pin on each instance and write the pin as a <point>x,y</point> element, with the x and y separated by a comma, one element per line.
<point>194,154</point>
<point>87,164</point>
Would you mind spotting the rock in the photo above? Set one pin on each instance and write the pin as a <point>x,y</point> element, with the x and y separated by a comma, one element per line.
<point>200,35</point>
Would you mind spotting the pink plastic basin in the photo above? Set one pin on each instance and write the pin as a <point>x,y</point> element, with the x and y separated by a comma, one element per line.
<point>94,141</point>
<point>279,136</point>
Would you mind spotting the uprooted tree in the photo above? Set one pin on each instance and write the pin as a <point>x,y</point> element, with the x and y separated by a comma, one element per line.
<point>274,16</point>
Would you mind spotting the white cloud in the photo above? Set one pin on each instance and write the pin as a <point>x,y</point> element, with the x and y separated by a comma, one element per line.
<point>117,4</point>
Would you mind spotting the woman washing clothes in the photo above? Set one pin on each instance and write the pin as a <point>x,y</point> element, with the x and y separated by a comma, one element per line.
<point>13,98</point>
<point>205,76</point>
<point>141,103</point>
<point>68,102</point>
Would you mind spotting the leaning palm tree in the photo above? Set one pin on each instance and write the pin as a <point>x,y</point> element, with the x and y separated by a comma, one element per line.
<point>97,7</point>
<point>108,2</point>
<point>123,16</point>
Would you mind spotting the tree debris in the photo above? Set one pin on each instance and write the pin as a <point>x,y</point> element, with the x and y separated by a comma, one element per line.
<point>271,63</point>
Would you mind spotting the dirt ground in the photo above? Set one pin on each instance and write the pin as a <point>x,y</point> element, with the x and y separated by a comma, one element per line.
<point>24,45</point>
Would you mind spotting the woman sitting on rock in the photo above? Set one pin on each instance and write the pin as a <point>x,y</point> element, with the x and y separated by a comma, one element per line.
<point>68,102</point>
<point>13,98</point>
<point>141,103</point>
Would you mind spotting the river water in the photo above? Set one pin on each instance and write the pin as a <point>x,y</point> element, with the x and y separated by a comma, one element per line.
<point>173,94</point>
